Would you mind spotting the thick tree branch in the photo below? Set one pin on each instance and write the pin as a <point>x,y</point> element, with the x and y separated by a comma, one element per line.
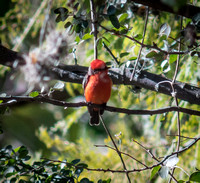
<point>144,79</point>
<point>187,11</point>
<point>8,57</point>
<point>149,81</point>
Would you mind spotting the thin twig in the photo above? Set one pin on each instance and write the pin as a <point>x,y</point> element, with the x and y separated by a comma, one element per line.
<point>176,100</point>
<point>110,52</point>
<point>182,136</point>
<point>145,45</point>
<point>74,55</point>
<point>141,47</point>
<point>178,58</point>
<point>41,98</point>
<point>147,150</point>
<point>117,150</point>
<point>94,26</point>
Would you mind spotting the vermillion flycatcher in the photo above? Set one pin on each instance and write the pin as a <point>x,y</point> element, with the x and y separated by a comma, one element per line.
<point>97,86</point>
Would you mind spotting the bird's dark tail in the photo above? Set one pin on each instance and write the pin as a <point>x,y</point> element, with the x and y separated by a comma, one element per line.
<point>94,115</point>
<point>94,118</point>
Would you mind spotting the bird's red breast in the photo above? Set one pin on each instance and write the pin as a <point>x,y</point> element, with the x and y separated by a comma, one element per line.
<point>98,86</point>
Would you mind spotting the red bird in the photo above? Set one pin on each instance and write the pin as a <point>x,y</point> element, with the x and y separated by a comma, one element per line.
<point>97,86</point>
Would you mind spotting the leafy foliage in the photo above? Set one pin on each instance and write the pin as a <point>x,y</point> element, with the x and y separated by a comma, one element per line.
<point>14,167</point>
<point>65,133</point>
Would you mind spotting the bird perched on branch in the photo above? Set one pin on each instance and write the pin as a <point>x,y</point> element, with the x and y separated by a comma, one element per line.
<point>97,86</point>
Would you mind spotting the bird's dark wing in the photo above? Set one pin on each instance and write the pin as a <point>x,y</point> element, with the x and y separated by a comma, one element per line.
<point>85,81</point>
<point>87,77</point>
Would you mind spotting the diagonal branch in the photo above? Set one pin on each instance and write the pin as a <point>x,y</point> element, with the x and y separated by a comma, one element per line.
<point>122,153</point>
<point>141,47</point>
<point>116,148</point>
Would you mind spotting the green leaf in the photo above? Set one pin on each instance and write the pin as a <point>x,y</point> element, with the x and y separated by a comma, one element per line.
<point>78,171</point>
<point>104,181</point>
<point>76,6</point>
<point>14,179</point>
<point>87,36</point>
<point>75,161</point>
<point>105,40</point>
<point>82,165</point>
<point>59,85</point>
<point>151,54</point>
<point>165,66</point>
<point>85,180</point>
<point>172,58</point>
<point>84,24</point>
<point>1,101</point>
<point>195,177</point>
<point>165,29</point>
<point>171,161</point>
<point>77,39</point>
<point>78,28</point>
<point>34,94</point>
<point>10,174</point>
<point>163,172</point>
<point>124,54</point>
<point>181,181</point>
<point>132,58</point>
<point>16,149</point>
<point>11,162</point>
<point>61,10</point>
<point>67,24</point>
<point>111,10</point>
<point>99,44</point>
<point>22,152</point>
<point>114,20</point>
<point>123,17</point>
<point>154,171</point>
<point>61,17</point>
<point>138,36</point>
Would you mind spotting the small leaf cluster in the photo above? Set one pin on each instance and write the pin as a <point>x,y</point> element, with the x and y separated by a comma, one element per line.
<point>14,167</point>
<point>79,21</point>
<point>78,18</point>
<point>164,171</point>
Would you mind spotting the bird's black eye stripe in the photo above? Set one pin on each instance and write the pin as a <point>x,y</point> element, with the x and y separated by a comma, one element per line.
<point>95,71</point>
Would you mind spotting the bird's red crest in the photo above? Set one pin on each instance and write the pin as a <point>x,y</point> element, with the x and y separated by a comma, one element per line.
<point>98,64</point>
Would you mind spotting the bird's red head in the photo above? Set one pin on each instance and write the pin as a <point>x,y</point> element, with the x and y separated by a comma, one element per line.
<point>98,65</point>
